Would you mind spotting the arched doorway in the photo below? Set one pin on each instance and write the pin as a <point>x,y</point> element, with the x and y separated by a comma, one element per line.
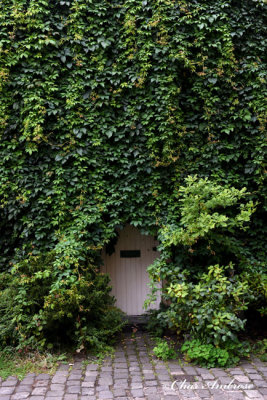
<point>127,267</point>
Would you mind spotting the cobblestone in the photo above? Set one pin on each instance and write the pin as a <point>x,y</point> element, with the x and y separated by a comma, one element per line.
<point>133,373</point>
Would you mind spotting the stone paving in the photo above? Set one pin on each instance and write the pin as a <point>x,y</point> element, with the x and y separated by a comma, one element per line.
<point>133,373</point>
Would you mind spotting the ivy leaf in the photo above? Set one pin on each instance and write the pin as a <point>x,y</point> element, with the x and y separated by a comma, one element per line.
<point>247,116</point>
<point>109,133</point>
<point>212,80</point>
<point>105,43</point>
<point>87,94</point>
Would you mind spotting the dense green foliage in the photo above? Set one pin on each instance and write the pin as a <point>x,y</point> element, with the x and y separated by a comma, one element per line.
<point>260,349</point>
<point>106,108</point>
<point>43,304</point>
<point>207,300</point>
<point>164,350</point>
<point>211,356</point>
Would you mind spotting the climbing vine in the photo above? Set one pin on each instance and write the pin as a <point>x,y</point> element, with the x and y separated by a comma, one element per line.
<point>106,107</point>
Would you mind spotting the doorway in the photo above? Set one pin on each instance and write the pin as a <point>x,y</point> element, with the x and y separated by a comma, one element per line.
<point>127,267</point>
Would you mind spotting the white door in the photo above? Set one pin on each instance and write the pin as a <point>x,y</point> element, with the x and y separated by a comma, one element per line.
<point>127,267</point>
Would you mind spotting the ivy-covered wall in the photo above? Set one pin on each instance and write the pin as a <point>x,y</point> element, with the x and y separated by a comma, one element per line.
<point>107,106</point>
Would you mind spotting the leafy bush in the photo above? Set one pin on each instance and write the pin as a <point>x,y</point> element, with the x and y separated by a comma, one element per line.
<point>211,307</point>
<point>257,284</point>
<point>164,350</point>
<point>207,298</point>
<point>210,211</point>
<point>260,349</point>
<point>157,324</point>
<point>7,309</point>
<point>210,356</point>
<point>55,298</point>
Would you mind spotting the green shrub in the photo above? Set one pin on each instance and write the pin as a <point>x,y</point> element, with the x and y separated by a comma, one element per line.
<point>157,324</point>
<point>208,355</point>
<point>260,349</point>
<point>208,298</point>
<point>211,307</point>
<point>57,298</point>
<point>208,211</point>
<point>256,280</point>
<point>205,354</point>
<point>8,332</point>
<point>164,350</point>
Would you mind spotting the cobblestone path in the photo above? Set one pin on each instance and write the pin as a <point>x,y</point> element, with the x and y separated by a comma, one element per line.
<point>132,373</point>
